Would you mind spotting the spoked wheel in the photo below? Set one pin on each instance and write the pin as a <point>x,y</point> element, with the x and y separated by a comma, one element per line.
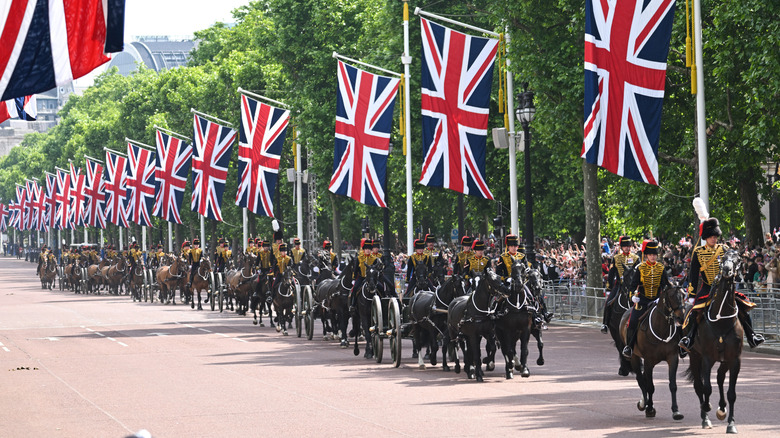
<point>212,291</point>
<point>298,310</point>
<point>59,274</point>
<point>308,312</point>
<point>220,287</point>
<point>84,280</point>
<point>151,286</point>
<point>394,330</point>
<point>376,328</point>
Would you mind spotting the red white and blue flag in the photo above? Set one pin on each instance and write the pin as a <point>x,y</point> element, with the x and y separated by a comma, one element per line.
<point>39,208</point>
<point>457,74</point>
<point>140,184</point>
<point>210,159</point>
<point>626,48</point>
<point>263,129</point>
<point>94,195</point>
<point>62,200</point>
<point>45,43</point>
<point>25,208</point>
<point>364,119</point>
<point>76,196</point>
<point>3,217</point>
<point>51,201</point>
<point>31,209</point>
<point>172,165</point>
<point>24,108</point>
<point>116,189</point>
<point>14,214</point>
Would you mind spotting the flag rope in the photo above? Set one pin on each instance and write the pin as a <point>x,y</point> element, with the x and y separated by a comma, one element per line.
<point>402,118</point>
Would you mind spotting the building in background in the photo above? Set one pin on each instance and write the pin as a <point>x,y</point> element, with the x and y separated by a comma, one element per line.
<point>155,52</point>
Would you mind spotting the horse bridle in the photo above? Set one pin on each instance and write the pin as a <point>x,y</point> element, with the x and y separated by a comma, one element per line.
<point>669,317</point>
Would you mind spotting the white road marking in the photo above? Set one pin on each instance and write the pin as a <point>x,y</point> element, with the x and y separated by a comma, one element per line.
<point>6,349</point>
<point>110,338</point>
<point>188,325</point>
<point>204,330</point>
<point>222,334</point>
<point>122,344</point>
<point>241,340</point>
<point>88,329</point>
<point>100,334</point>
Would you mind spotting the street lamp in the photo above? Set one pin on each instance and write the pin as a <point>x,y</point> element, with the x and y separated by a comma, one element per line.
<point>525,115</point>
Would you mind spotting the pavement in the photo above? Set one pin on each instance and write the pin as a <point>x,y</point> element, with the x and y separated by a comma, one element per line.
<point>103,366</point>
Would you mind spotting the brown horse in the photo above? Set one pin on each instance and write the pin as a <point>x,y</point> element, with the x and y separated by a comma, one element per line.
<point>95,275</point>
<point>48,272</point>
<point>719,340</point>
<point>657,336</point>
<point>74,276</point>
<point>116,273</point>
<point>137,282</point>
<point>171,277</point>
<point>241,282</point>
<point>200,281</point>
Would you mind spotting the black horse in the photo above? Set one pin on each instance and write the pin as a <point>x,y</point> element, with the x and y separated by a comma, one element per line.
<point>719,340</point>
<point>471,317</point>
<point>619,304</point>
<point>515,320</point>
<point>365,297</point>
<point>658,333</point>
<point>534,283</point>
<point>333,294</point>
<point>428,316</point>
<point>284,299</point>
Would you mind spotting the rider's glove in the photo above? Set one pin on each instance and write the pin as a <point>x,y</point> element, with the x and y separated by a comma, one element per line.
<point>635,299</point>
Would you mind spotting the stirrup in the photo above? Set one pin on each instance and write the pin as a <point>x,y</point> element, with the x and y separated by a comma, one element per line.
<point>685,344</point>
<point>756,340</point>
<point>683,352</point>
<point>604,329</point>
<point>627,352</point>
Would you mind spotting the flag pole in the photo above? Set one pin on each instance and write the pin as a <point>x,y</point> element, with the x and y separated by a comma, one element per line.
<point>510,109</point>
<point>701,134</point>
<point>183,137</point>
<point>202,232</point>
<point>418,11</point>
<point>193,110</point>
<point>170,236</point>
<point>407,60</point>
<point>143,238</point>
<point>139,144</point>
<point>298,185</point>
<point>121,243</point>
<point>244,228</point>
<point>260,97</point>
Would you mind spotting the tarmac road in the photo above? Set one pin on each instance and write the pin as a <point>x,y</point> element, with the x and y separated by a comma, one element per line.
<point>102,366</point>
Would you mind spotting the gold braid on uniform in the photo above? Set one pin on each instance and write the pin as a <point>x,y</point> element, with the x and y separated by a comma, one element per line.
<point>650,279</point>
<point>709,260</point>
<point>620,262</point>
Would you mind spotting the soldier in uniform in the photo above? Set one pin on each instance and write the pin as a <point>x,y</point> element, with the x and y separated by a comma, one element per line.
<point>419,258</point>
<point>462,258</point>
<point>297,252</point>
<point>648,281</point>
<point>508,258</point>
<point>478,263</point>
<point>194,257</point>
<point>281,263</point>
<point>705,266</point>
<point>135,255</point>
<point>328,257</point>
<point>221,255</point>
<point>278,239</point>
<point>359,271</point>
<point>185,250</point>
<point>615,276</point>
<point>250,247</point>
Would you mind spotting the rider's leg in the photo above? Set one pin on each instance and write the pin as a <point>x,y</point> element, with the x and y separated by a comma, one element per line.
<point>689,332</point>
<point>607,311</point>
<point>353,294</point>
<point>754,339</point>
<point>633,321</point>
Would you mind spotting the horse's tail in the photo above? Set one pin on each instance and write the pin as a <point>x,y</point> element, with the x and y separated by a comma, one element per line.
<point>688,373</point>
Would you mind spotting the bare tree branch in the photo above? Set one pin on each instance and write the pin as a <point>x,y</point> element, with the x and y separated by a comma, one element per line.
<point>688,162</point>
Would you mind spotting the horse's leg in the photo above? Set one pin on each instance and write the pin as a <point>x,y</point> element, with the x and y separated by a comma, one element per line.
<point>445,346</point>
<point>525,337</point>
<point>704,391</point>
<point>636,367</point>
<point>434,342</point>
<point>343,323</point>
<point>365,323</point>
<point>673,361</point>
<point>200,306</point>
<point>508,352</point>
<point>490,350</point>
<point>539,344</point>
<point>474,343</point>
<point>732,394</point>
<point>649,389</point>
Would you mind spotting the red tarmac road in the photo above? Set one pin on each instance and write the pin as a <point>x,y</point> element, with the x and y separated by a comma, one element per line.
<point>102,366</point>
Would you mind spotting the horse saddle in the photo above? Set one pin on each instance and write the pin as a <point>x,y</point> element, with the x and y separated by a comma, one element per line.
<point>647,311</point>
<point>614,299</point>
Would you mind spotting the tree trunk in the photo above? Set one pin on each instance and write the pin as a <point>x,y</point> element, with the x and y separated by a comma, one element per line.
<point>212,238</point>
<point>750,207</point>
<point>336,223</point>
<point>592,230</point>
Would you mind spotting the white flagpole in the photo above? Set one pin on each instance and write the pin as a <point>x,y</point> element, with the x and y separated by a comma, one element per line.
<point>143,238</point>
<point>244,228</point>
<point>298,187</point>
<point>59,243</point>
<point>86,235</point>
<point>202,232</point>
<point>510,109</point>
<point>101,238</point>
<point>407,60</point>
<point>701,133</point>
<point>121,243</point>
<point>170,236</point>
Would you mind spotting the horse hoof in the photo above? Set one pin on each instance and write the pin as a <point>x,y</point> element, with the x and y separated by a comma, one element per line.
<point>445,368</point>
<point>650,412</point>
<point>254,322</point>
<point>262,324</point>
<point>509,375</point>
<point>433,361</point>
<point>343,344</point>
<point>677,416</point>
<point>200,307</point>
<point>285,333</point>
<point>640,405</point>
<point>192,305</point>
<point>706,407</point>
<point>490,366</point>
<point>368,355</point>
<point>623,372</point>
<point>731,428</point>
<point>278,328</point>
<point>721,414</point>
<point>422,366</point>
<point>479,378</point>
<point>540,361</point>
<point>525,373</point>
<point>457,369</point>
<point>706,424</point>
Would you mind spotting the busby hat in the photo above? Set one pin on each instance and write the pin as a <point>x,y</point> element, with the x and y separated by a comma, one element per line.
<point>196,241</point>
<point>521,247</point>
<point>282,247</point>
<point>296,241</point>
<point>278,235</point>
<point>221,240</point>
<point>327,244</point>
<point>430,238</point>
<point>185,244</point>
<point>625,241</point>
<point>650,247</point>
<point>365,243</point>
<point>376,244</point>
<point>511,240</point>
<point>478,245</point>
<point>266,243</point>
<point>258,241</point>
<point>250,241</point>
<point>710,227</point>
<point>419,244</point>
<point>159,246</point>
<point>466,241</point>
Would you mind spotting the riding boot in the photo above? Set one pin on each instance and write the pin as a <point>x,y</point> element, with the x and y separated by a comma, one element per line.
<point>630,339</point>
<point>687,341</point>
<point>605,320</point>
<point>753,339</point>
<point>352,303</point>
<point>548,316</point>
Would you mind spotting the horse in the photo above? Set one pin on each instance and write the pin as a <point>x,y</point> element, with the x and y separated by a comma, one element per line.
<point>74,276</point>
<point>171,277</point>
<point>471,317</point>
<point>137,275</point>
<point>365,297</point>
<point>284,299</point>
<point>116,273</point>
<point>257,302</point>
<point>240,282</point>
<point>534,283</point>
<point>48,272</point>
<point>657,336</point>
<point>200,282</point>
<point>623,303</point>
<point>95,275</point>
<point>514,321</point>
<point>438,272</point>
<point>719,339</point>
<point>428,315</point>
<point>333,294</point>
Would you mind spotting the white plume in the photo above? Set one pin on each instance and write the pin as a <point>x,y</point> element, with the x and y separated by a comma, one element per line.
<point>701,209</point>
<point>275,224</point>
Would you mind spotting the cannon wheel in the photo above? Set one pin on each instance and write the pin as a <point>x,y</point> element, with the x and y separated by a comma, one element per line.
<point>394,330</point>
<point>376,325</point>
<point>298,309</point>
<point>308,312</point>
<point>60,271</point>
<point>212,291</point>
<point>220,293</point>
<point>151,285</point>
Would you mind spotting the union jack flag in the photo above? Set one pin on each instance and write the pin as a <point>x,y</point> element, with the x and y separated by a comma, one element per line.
<point>3,217</point>
<point>62,200</point>
<point>364,118</point>
<point>24,108</point>
<point>13,214</point>
<point>94,195</point>
<point>116,189</point>
<point>140,184</point>
<point>263,129</point>
<point>626,47</point>
<point>172,165</point>
<point>25,208</point>
<point>51,201</point>
<point>457,74</point>
<point>31,209</point>
<point>76,196</point>
<point>210,159</point>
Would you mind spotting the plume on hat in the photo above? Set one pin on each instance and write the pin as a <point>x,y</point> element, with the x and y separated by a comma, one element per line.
<point>701,209</point>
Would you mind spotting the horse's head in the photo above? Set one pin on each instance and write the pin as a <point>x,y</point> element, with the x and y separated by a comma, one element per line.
<point>519,271</point>
<point>420,273</point>
<point>439,270</point>
<point>729,264</point>
<point>673,302</point>
<point>373,271</point>
<point>288,276</point>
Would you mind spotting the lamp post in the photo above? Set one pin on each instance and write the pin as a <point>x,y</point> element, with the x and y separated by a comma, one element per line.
<point>525,115</point>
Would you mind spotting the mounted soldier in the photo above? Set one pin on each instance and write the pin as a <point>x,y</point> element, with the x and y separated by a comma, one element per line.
<point>194,257</point>
<point>462,259</point>
<point>281,264</point>
<point>359,271</point>
<point>278,239</point>
<point>298,253</point>
<point>430,248</point>
<point>418,260</point>
<point>615,276</point>
<point>221,255</point>
<point>508,258</point>
<point>478,263</point>
<point>136,257</point>
<point>649,280</point>
<point>705,269</point>
<point>328,257</point>
<point>250,247</point>
<point>386,287</point>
